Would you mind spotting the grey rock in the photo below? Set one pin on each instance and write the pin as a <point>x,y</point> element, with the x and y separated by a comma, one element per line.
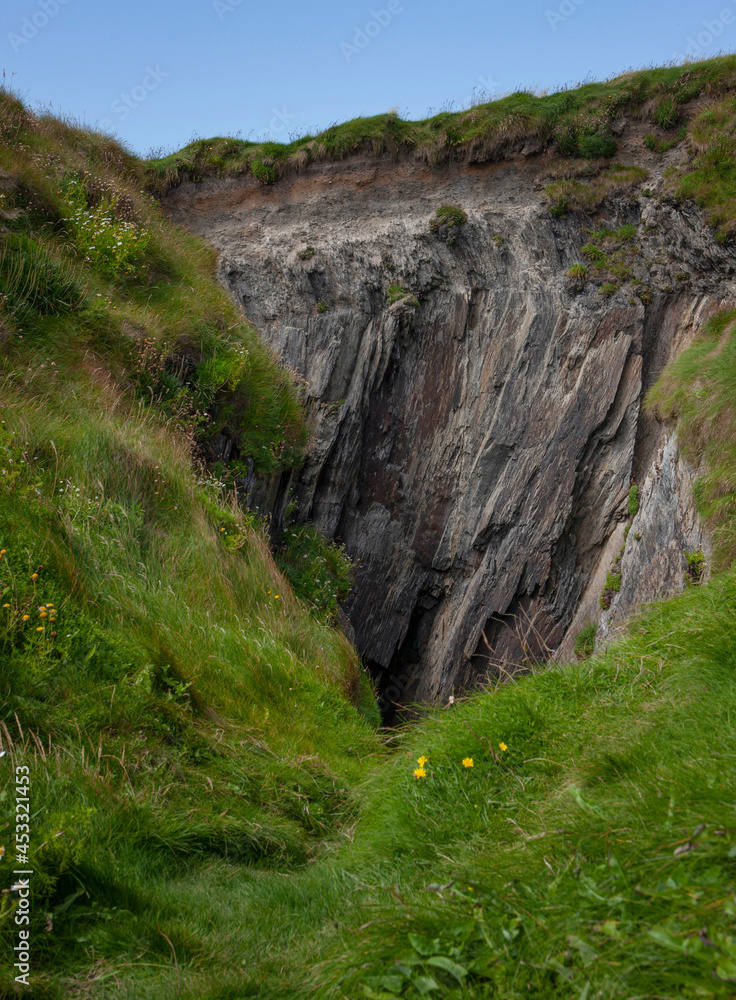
<point>474,452</point>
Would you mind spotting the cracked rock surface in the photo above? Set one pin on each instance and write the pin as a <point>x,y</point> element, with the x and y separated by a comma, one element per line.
<point>475,441</point>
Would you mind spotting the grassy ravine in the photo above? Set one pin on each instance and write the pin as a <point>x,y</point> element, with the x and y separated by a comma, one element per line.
<point>212,815</point>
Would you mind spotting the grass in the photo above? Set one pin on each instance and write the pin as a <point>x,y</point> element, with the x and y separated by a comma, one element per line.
<point>397,293</point>
<point>153,655</point>
<point>585,641</point>
<point>576,122</point>
<point>699,390</point>
<point>214,814</point>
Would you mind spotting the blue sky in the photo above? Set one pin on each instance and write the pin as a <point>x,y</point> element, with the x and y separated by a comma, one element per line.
<point>157,72</point>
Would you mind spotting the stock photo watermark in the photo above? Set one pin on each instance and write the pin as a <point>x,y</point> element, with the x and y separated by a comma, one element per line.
<point>30,26</point>
<point>379,21</point>
<point>125,104</point>
<point>22,885</point>
<point>699,44</point>
<point>563,13</point>
<point>224,7</point>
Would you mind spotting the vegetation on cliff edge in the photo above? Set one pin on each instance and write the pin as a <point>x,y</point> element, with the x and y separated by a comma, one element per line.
<point>212,817</point>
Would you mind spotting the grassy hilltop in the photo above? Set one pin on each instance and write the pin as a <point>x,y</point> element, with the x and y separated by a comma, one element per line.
<point>214,814</point>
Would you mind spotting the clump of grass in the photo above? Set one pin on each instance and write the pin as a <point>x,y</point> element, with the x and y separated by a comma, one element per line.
<point>611,588</point>
<point>265,171</point>
<point>667,113</point>
<point>585,641</point>
<point>607,289</point>
<point>449,216</point>
<point>322,306</point>
<point>595,253</point>
<point>318,569</point>
<point>579,272</point>
<point>397,293</point>
<point>633,501</point>
<point>596,146</point>
<point>307,253</point>
<point>695,566</point>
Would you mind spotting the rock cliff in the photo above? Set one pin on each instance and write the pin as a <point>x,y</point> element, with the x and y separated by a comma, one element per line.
<point>477,411</point>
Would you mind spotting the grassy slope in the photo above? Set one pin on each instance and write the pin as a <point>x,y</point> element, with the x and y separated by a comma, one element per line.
<point>231,827</point>
<point>180,710</point>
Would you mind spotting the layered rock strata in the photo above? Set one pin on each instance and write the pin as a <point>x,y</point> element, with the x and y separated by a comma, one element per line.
<point>477,416</point>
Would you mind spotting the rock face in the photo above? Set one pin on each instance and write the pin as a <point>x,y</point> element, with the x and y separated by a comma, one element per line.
<point>477,418</point>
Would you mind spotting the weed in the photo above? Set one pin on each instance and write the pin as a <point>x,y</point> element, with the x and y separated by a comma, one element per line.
<point>607,289</point>
<point>667,113</point>
<point>322,306</point>
<point>307,253</point>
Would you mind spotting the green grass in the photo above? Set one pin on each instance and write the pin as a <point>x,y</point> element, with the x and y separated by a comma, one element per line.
<point>711,179</point>
<point>181,721</point>
<point>574,122</point>
<point>585,641</point>
<point>632,503</point>
<point>699,390</point>
<point>214,814</point>
<point>397,293</point>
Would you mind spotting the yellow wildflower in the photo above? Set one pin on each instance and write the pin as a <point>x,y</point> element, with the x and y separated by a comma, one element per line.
<point>419,772</point>
<point>40,628</point>
<point>6,605</point>
<point>276,597</point>
<point>34,576</point>
<point>467,761</point>
<point>26,617</point>
<point>502,747</point>
<point>44,614</point>
<point>421,761</point>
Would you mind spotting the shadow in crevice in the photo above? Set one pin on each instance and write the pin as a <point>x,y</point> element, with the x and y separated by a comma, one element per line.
<point>398,683</point>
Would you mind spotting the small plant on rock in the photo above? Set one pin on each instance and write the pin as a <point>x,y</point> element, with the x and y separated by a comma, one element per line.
<point>447,222</point>
<point>695,566</point>
<point>579,272</point>
<point>633,501</point>
<point>594,253</point>
<point>397,293</point>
